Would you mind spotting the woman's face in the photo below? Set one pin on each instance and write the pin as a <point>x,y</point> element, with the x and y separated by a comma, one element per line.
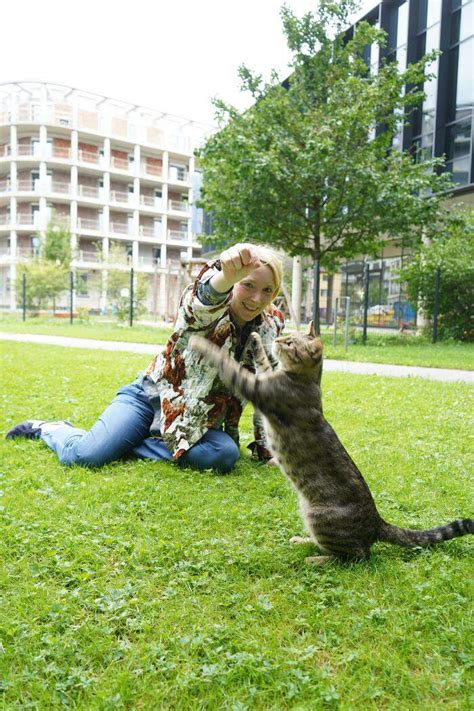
<point>252,295</point>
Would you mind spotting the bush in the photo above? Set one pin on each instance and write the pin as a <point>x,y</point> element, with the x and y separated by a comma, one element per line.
<point>452,252</point>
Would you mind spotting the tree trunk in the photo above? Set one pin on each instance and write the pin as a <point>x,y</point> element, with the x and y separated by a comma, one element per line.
<point>316,275</point>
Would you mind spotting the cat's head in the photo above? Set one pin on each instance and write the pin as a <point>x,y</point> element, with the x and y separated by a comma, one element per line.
<point>299,352</point>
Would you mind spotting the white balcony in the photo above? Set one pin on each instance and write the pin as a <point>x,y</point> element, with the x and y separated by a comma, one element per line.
<point>89,191</point>
<point>121,197</point>
<point>27,150</point>
<point>27,186</point>
<point>5,186</point>
<point>5,219</point>
<point>177,236</point>
<point>88,257</point>
<point>151,201</point>
<point>150,231</point>
<point>5,151</point>
<point>150,171</point>
<point>88,157</point>
<point>60,152</point>
<point>178,206</point>
<point>119,163</point>
<point>60,188</point>
<point>86,223</point>
<point>119,228</point>
<point>27,219</point>
<point>25,252</point>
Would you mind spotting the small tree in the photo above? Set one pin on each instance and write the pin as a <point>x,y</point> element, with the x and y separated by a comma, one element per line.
<point>47,274</point>
<point>452,252</point>
<point>307,169</point>
<point>118,286</point>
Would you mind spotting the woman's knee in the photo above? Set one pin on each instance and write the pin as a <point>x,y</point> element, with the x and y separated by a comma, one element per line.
<point>225,456</point>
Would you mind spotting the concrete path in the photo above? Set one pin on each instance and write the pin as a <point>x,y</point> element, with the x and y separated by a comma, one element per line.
<point>393,371</point>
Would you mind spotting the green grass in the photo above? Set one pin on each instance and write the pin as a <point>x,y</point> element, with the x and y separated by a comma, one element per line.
<point>144,585</point>
<point>383,348</point>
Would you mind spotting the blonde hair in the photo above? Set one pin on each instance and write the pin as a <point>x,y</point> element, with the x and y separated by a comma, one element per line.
<point>271,259</point>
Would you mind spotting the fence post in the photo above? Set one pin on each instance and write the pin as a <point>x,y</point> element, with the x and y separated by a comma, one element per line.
<point>346,338</point>
<point>23,293</point>
<point>336,309</point>
<point>71,297</point>
<point>131,296</point>
<point>366,300</point>
<point>436,305</point>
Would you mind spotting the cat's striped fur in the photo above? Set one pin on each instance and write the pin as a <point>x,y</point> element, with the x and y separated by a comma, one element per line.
<point>335,501</point>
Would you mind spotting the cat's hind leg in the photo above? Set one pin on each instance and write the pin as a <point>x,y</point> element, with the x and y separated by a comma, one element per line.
<point>295,540</point>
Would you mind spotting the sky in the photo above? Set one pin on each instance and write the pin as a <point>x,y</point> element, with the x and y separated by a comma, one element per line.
<point>170,55</point>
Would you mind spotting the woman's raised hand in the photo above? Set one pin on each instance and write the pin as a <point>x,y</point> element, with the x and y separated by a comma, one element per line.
<point>237,262</point>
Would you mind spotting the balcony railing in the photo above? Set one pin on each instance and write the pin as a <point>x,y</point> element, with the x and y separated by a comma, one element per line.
<point>26,219</point>
<point>177,206</point>
<point>178,235</point>
<point>5,150</point>
<point>5,186</point>
<point>88,191</point>
<point>88,157</point>
<point>25,252</point>
<point>150,231</point>
<point>120,228</point>
<point>119,163</point>
<point>5,219</point>
<point>151,201</point>
<point>89,256</point>
<point>118,196</point>
<point>27,186</point>
<point>60,188</point>
<point>153,170</point>
<point>26,149</point>
<point>86,223</point>
<point>61,152</point>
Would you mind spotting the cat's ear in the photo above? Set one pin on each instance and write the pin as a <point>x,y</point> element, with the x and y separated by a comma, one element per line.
<point>310,330</point>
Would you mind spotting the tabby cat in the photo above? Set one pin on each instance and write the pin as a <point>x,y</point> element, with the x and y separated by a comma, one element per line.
<point>335,501</point>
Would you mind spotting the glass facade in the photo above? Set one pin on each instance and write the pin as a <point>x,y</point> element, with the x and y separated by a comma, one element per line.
<point>460,94</point>
<point>443,124</point>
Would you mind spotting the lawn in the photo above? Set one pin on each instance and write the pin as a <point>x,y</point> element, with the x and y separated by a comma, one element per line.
<point>144,585</point>
<point>380,348</point>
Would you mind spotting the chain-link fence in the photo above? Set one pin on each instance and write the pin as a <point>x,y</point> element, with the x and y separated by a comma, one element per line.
<point>378,297</point>
<point>123,294</point>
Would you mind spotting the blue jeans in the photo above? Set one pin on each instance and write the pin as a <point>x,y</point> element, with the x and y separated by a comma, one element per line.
<point>123,430</point>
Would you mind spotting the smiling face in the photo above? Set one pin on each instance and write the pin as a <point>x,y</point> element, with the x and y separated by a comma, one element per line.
<point>252,295</point>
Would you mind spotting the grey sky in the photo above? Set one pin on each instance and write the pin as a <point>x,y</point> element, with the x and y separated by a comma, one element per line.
<point>169,55</point>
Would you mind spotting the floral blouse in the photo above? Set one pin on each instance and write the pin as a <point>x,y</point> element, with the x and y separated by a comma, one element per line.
<point>188,396</point>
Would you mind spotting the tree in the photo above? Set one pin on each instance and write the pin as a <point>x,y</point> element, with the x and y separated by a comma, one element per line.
<point>452,253</point>
<point>307,168</point>
<point>47,274</point>
<point>118,286</point>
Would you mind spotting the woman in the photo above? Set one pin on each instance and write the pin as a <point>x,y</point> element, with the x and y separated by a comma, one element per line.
<point>178,409</point>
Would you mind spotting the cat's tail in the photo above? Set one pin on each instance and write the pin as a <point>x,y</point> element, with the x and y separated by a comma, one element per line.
<point>412,538</point>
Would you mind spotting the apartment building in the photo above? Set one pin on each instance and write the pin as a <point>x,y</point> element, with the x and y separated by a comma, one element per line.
<point>122,176</point>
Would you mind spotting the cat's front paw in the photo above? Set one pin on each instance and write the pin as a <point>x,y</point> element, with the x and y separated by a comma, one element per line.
<point>255,341</point>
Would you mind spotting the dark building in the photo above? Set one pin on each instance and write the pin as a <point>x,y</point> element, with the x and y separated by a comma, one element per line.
<point>442,126</point>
